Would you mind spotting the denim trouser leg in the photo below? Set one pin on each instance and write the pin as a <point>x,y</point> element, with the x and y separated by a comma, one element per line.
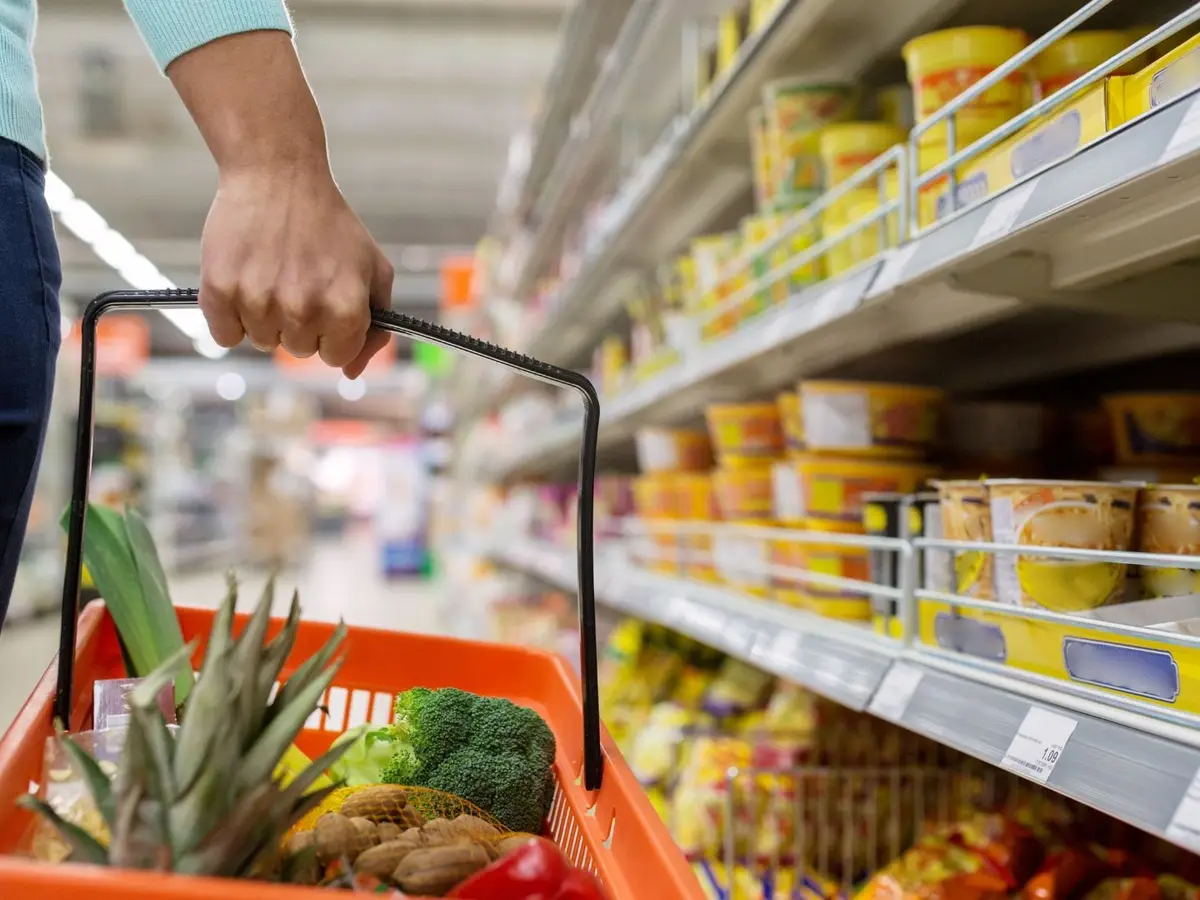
<point>30,331</point>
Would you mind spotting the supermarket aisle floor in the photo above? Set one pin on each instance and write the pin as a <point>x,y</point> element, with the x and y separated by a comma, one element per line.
<point>340,579</point>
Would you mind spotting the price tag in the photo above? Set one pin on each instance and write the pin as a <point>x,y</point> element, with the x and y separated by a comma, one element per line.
<point>1184,827</point>
<point>1038,744</point>
<point>1187,135</point>
<point>895,691</point>
<point>893,269</point>
<point>1003,213</point>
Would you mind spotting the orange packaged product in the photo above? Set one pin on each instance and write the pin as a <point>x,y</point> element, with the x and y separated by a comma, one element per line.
<point>744,432</point>
<point>1066,874</point>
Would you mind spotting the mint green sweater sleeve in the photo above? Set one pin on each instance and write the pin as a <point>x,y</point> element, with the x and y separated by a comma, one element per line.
<point>173,27</point>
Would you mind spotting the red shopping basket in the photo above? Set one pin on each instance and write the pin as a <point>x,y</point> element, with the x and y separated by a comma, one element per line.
<point>600,816</point>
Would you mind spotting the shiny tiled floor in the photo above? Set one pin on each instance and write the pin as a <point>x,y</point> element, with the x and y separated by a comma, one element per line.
<point>340,580</point>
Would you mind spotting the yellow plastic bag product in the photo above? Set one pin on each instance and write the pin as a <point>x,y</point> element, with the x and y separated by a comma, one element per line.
<point>967,516</point>
<point>1167,523</point>
<point>942,64</point>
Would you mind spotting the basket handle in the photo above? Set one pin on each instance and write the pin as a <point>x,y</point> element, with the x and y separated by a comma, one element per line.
<point>396,323</point>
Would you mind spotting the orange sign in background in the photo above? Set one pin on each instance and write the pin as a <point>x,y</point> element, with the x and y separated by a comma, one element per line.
<point>122,343</point>
<point>458,282</point>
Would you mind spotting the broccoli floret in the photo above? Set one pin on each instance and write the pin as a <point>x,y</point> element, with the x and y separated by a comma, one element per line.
<point>488,751</point>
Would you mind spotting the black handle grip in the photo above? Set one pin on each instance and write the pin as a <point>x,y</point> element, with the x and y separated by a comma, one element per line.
<point>593,762</point>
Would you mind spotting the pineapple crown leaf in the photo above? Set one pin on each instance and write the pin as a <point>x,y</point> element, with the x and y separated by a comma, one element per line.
<point>97,782</point>
<point>278,650</point>
<point>280,732</point>
<point>249,659</point>
<point>310,669</point>
<point>145,694</point>
<point>84,847</point>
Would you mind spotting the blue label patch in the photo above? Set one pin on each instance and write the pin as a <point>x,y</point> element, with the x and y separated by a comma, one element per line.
<point>1047,145</point>
<point>1140,671</point>
<point>954,631</point>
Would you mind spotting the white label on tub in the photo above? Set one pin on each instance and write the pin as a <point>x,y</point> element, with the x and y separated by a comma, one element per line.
<point>741,559</point>
<point>789,502</point>
<point>1004,531</point>
<point>1184,827</point>
<point>1039,743</point>
<point>1003,213</point>
<point>938,565</point>
<point>1186,136</point>
<point>895,691</point>
<point>837,419</point>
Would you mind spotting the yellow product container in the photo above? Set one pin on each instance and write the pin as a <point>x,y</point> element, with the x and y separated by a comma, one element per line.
<point>697,502</point>
<point>837,560</point>
<point>840,257</point>
<point>895,106</point>
<point>745,431</point>
<point>743,493</point>
<point>762,160</point>
<point>1155,428</point>
<point>1076,514</point>
<point>1168,77</point>
<point>711,255</point>
<point>1168,521</point>
<point>1086,118</point>
<point>848,146</point>
<point>1077,54</point>
<point>832,490</point>
<point>870,419</point>
<point>796,167</point>
<point>757,232</point>
<point>706,73</point>
<point>731,31</point>
<point>613,361</point>
<point>654,496</point>
<point>801,239</point>
<point>789,417</point>
<point>761,12</point>
<point>743,560</point>
<point>796,109</point>
<point>943,64</point>
<point>673,450</point>
<point>967,516</point>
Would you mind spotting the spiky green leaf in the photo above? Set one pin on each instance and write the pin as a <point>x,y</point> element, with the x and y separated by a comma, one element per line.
<point>97,782</point>
<point>84,847</point>
<point>309,670</point>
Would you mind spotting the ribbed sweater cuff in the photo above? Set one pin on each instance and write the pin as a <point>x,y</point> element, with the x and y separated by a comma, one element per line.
<point>173,27</point>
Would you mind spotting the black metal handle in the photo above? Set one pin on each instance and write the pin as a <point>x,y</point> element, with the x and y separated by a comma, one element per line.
<point>593,760</point>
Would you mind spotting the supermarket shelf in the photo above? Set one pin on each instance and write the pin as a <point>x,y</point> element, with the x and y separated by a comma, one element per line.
<point>699,164</point>
<point>1134,767</point>
<point>1070,251</point>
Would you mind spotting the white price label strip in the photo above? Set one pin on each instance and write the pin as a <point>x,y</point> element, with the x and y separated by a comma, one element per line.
<point>1038,744</point>
<point>896,691</point>
<point>1187,135</point>
<point>1002,214</point>
<point>1184,827</point>
<point>893,268</point>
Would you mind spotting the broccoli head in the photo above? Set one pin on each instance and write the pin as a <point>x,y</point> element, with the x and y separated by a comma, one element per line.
<point>486,750</point>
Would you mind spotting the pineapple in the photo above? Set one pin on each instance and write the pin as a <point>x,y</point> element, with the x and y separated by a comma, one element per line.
<point>206,800</point>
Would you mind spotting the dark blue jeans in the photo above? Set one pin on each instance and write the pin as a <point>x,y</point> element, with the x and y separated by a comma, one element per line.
<point>30,332</point>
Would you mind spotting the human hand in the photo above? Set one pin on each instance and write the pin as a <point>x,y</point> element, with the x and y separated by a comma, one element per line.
<point>284,260</point>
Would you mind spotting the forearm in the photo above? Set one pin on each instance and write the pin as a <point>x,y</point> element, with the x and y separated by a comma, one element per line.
<point>251,102</point>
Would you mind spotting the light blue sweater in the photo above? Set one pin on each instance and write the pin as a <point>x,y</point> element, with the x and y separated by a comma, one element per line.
<point>170,27</point>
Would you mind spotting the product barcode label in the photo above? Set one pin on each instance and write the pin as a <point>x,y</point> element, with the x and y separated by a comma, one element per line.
<point>1184,827</point>
<point>1003,213</point>
<point>1039,743</point>
<point>896,691</point>
<point>1187,134</point>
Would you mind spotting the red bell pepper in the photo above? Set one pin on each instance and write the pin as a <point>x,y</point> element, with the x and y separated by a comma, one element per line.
<point>534,871</point>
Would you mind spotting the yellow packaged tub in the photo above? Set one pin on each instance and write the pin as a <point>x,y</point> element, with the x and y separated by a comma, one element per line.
<point>789,417</point>
<point>745,431</point>
<point>762,160</point>
<point>853,212</point>
<point>1155,428</point>
<point>1168,521</point>
<point>697,502</point>
<point>1054,137</point>
<point>838,560</point>
<point>673,450</point>
<point>744,493</point>
<point>770,260</point>
<point>943,64</point>
<point>654,496</point>
<point>967,516</point>
<point>848,146</point>
<point>1168,77</point>
<point>1075,514</point>
<point>832,490</point>
<point>796,109</point>
<point>895,106</point>
<point>1077,54</point>
<point>870,419</point>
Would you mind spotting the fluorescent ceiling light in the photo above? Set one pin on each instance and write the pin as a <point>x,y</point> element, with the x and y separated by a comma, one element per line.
<point>79,218</point>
